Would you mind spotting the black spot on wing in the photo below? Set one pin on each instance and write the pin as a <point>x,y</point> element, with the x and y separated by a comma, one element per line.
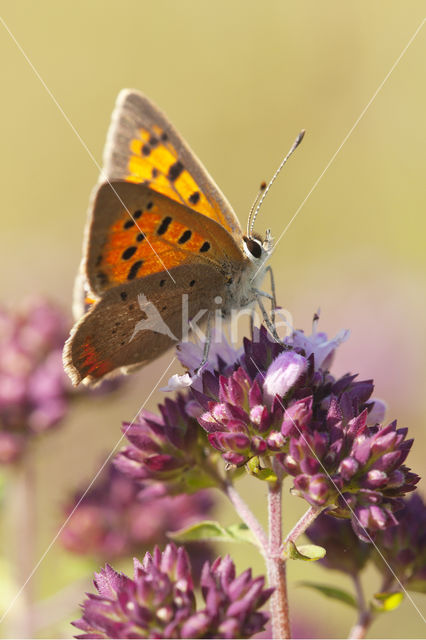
<point>128,253</point>
<point>194,197</point>
<point>175,170</point>
<point>185,236</point>
<point>205,247</point>
<point>164,225</point>
<point>133,272</point>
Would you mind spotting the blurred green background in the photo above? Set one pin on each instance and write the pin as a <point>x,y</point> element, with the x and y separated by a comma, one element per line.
<point>239,80</point>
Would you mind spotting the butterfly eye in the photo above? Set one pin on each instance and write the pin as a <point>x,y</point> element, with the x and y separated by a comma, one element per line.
<point>253,246</point>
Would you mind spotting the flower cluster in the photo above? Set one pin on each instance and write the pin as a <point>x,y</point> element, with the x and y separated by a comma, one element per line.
<point>280,400</point>
<point>356,469</point>
<point>34,389</point>
<point>169,449</point>
<point>113,520</point>
<point>279,403</point>
<point>251,405</point>
<point>159,601</point>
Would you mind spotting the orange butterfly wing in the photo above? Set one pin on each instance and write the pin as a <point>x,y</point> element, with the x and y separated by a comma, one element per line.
<point>143,146</point>
<point>158,224</point>
<point>136,232</point>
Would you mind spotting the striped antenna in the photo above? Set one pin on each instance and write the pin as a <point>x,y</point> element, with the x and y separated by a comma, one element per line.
<point>264,188</point>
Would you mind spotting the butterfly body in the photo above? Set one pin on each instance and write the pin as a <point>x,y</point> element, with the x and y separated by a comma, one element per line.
<point>162,248</point>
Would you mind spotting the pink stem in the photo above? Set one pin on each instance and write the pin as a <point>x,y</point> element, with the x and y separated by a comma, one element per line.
<point>247,515</point>
<point>23,542</point>
<point>304,522</point>
<point>365,618</point>
<point>276,565</point>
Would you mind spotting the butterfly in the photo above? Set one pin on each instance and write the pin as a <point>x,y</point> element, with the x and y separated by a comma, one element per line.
<point>162,247</point>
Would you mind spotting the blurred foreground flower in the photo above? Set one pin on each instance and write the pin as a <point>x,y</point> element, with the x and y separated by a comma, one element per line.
<point>159,601</point>
<point>34,389</point>
<point>114,519</point>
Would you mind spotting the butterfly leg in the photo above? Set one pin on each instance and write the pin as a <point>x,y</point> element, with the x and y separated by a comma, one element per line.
<point>266,318</point>
<point>252,324</point>
<point>207,343</point>
<point>274,298</point>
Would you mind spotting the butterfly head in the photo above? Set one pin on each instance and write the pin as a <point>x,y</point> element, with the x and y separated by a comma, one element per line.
<point>256,248</point>
<point>258,251</point>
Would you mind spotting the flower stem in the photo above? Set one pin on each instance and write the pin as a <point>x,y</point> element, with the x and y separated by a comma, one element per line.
<point>23,516</point>
<point>365,617</point>
<point>246,515</point>
<point>304,522</point>
<point>276,565</point>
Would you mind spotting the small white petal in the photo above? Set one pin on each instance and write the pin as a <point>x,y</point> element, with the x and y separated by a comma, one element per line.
<point>283,373</point>
<point>178,382</point>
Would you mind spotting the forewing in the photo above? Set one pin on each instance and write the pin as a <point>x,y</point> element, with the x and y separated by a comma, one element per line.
<point>143,146</point>
<point>135,232</point>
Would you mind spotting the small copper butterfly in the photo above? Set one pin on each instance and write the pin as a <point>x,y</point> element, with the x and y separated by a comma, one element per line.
<point>159,233</point>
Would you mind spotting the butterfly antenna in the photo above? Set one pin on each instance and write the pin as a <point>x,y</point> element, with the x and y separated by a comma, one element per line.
<point>263,191</point>
<point>253,206</point>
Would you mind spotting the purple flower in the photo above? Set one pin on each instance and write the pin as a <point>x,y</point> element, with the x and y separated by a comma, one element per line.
<point>376,412</point>
<point>169,449</point>
<point>403,548</point>
<point>34,390</point>
<point>280,401</point>
<point>317,345</point>
<point>253,406</point>
<point>356,469</point>
<point>116,519</point>
<point>159,601</point>
<point>244,421</point>
<point>345,551</point>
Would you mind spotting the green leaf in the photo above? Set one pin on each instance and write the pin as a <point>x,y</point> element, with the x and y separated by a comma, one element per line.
<point>332,592</point>
<point>387,601</point>
<point>241,533</point>
<point>306,552</point>
<point>254,468</point>
<point>212,530</point>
